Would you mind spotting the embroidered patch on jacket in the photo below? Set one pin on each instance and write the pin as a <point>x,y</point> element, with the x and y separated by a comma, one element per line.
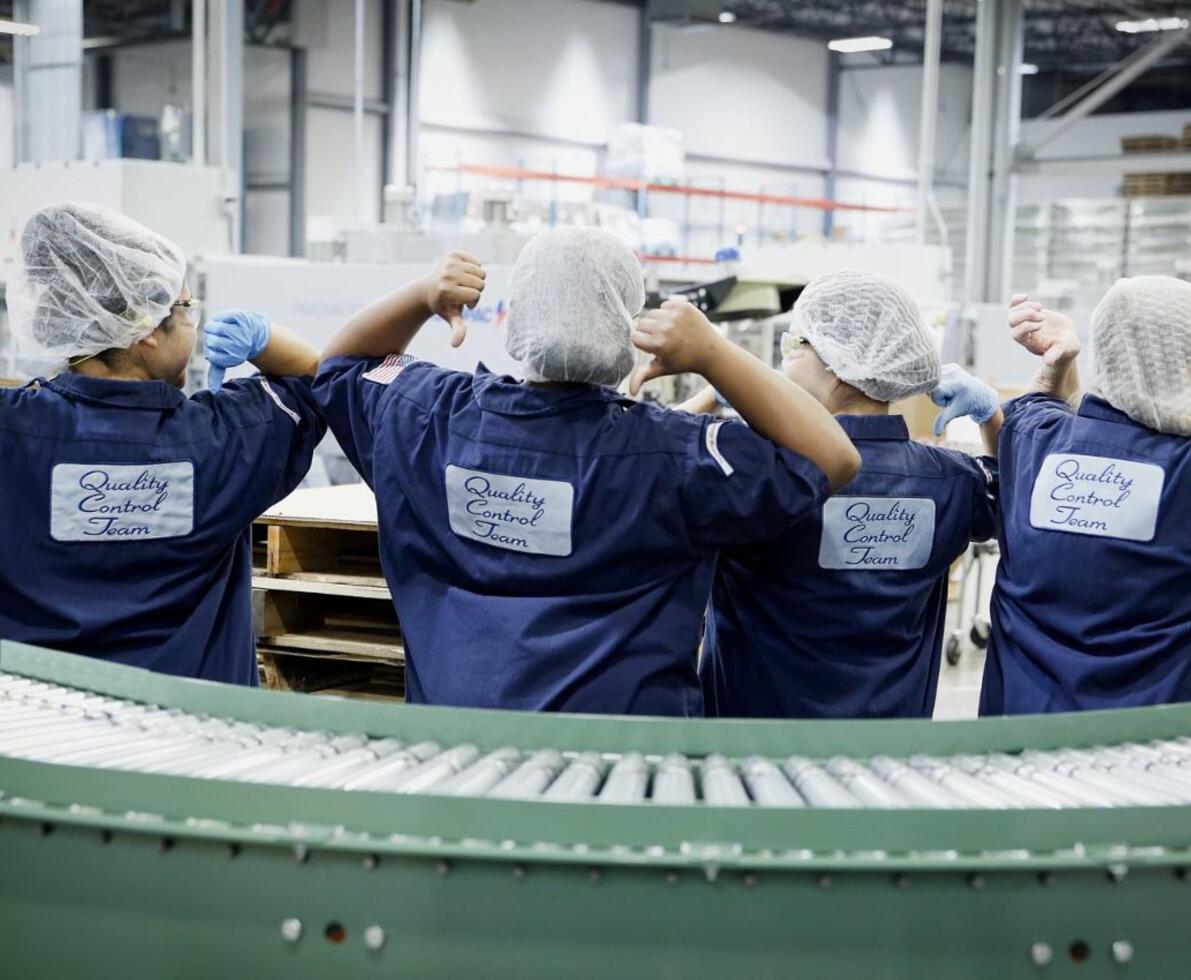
<point>530,516</point>
<point>119,503</point>
<point>877,533</point>
<point>387,371</point>
<point>1109,498</point>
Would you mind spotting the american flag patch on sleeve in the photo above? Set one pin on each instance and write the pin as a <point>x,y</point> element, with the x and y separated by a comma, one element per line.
<point>386,371</point>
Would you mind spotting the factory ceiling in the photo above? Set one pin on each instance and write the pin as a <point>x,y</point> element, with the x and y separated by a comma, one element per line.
<point>1061,35</point>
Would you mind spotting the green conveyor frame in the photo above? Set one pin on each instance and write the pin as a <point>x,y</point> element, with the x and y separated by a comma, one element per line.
<point>106,872</point>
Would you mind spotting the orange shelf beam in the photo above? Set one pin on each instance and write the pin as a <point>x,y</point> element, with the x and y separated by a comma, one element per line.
<point>630,184</point>
<point>680,259</point>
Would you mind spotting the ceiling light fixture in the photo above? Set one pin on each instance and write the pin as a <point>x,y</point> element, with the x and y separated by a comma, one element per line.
<point>1151,24</point>
<point>1027,69</point>
<point>852,45</point>
<point>727,17</point>
<point>21,30</point>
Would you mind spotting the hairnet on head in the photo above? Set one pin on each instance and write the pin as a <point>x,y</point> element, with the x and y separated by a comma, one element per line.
<point>572,299</point>
<point>1141,339</point>
<point>865,327</point>
<point>89,279</point>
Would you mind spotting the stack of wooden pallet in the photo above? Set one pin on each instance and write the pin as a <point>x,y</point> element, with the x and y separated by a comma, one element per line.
<point>1161,184</point>
<point>324,617</point>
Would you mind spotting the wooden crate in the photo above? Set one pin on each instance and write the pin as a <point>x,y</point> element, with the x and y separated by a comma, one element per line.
<point>323,613</point>
<point>1157,143</point>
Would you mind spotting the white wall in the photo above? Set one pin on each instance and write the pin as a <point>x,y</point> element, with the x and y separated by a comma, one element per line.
<point>742,94</point>
<point>540,84</point>
<point>879,121</point>
<point>534,84</point>
<point>559,69</point>
<point>750,106</point>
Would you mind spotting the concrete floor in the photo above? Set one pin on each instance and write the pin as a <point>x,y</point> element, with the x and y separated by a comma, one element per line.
<point>959,686</point>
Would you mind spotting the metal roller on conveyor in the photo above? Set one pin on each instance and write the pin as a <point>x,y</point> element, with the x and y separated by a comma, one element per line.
<point>51,723</point>
<point>304,819</point>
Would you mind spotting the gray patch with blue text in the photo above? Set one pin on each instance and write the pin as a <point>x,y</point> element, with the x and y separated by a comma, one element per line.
<point>1096,495</point>
<point>877,533</point>
<point>530,516</point>
<point>119,503</point>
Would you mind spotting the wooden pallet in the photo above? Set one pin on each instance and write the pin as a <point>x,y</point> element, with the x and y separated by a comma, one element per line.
<point>323,614</point>
<point>1153,143</point>
<point>1156,184</point>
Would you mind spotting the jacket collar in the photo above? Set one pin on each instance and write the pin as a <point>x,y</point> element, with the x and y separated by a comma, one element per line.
<point>888,428</point>
<point>505,395</point>
<point>1095,407</point>
<point>107,391</point>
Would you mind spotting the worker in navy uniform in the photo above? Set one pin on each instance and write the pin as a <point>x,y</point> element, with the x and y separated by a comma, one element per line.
<point>127,505</point>
<point>843,615</point>
<point>1092,604</point>
<point>548,544</point>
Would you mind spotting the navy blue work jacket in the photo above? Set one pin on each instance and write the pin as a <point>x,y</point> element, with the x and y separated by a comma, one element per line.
<point>842,616</point>
<point>552,548</point>
<point>125,510</point>
<point>1092,606</point>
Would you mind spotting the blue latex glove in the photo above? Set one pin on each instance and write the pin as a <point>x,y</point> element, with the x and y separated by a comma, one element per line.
<point>233,337</point>
<point>959,393</point>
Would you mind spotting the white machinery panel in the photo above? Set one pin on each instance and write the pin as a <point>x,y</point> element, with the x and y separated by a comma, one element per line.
<point>316,298</point>
<point>182,202</point>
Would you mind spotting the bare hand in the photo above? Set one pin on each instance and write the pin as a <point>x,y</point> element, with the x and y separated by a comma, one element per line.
<point>1045,333</point>
<point>457,281</point>
<point>679,337</point>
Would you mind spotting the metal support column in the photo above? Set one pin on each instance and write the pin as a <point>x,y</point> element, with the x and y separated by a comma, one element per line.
<point>297,153</point>
<point>983,85</point>
<point>928,116</point>
<point>359,205</point>
<point>390,19</point>
<point>834,77</point>
<point>226,52</point>
<point>413,94</point>
<point>996,112</point>
<point>47,81</point>
<point>198,83</point>
<point>644,61</point>
<point>1002,217</point>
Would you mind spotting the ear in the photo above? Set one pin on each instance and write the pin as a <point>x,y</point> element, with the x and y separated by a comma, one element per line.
<point>151,342</point>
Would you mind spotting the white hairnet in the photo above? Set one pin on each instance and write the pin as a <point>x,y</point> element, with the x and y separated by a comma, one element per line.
<point>1141,338</point>
<point>89,279</point>
<point>865,327</point>
<point>572,299</point>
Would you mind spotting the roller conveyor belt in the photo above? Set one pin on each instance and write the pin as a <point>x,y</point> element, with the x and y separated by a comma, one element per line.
<point>46,722</point>
<point>193,830</point>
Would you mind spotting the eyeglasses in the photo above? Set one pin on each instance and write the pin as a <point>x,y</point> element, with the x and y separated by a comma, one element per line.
<point>193,308</point>
<point>792,341</point>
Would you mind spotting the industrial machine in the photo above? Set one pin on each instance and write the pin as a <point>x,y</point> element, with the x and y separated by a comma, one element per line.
<point>152,827</point>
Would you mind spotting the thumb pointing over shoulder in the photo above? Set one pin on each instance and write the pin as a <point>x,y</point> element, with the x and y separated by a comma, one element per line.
<point>458,328</point>
<point>646,372</point>
<point>215,377</point>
